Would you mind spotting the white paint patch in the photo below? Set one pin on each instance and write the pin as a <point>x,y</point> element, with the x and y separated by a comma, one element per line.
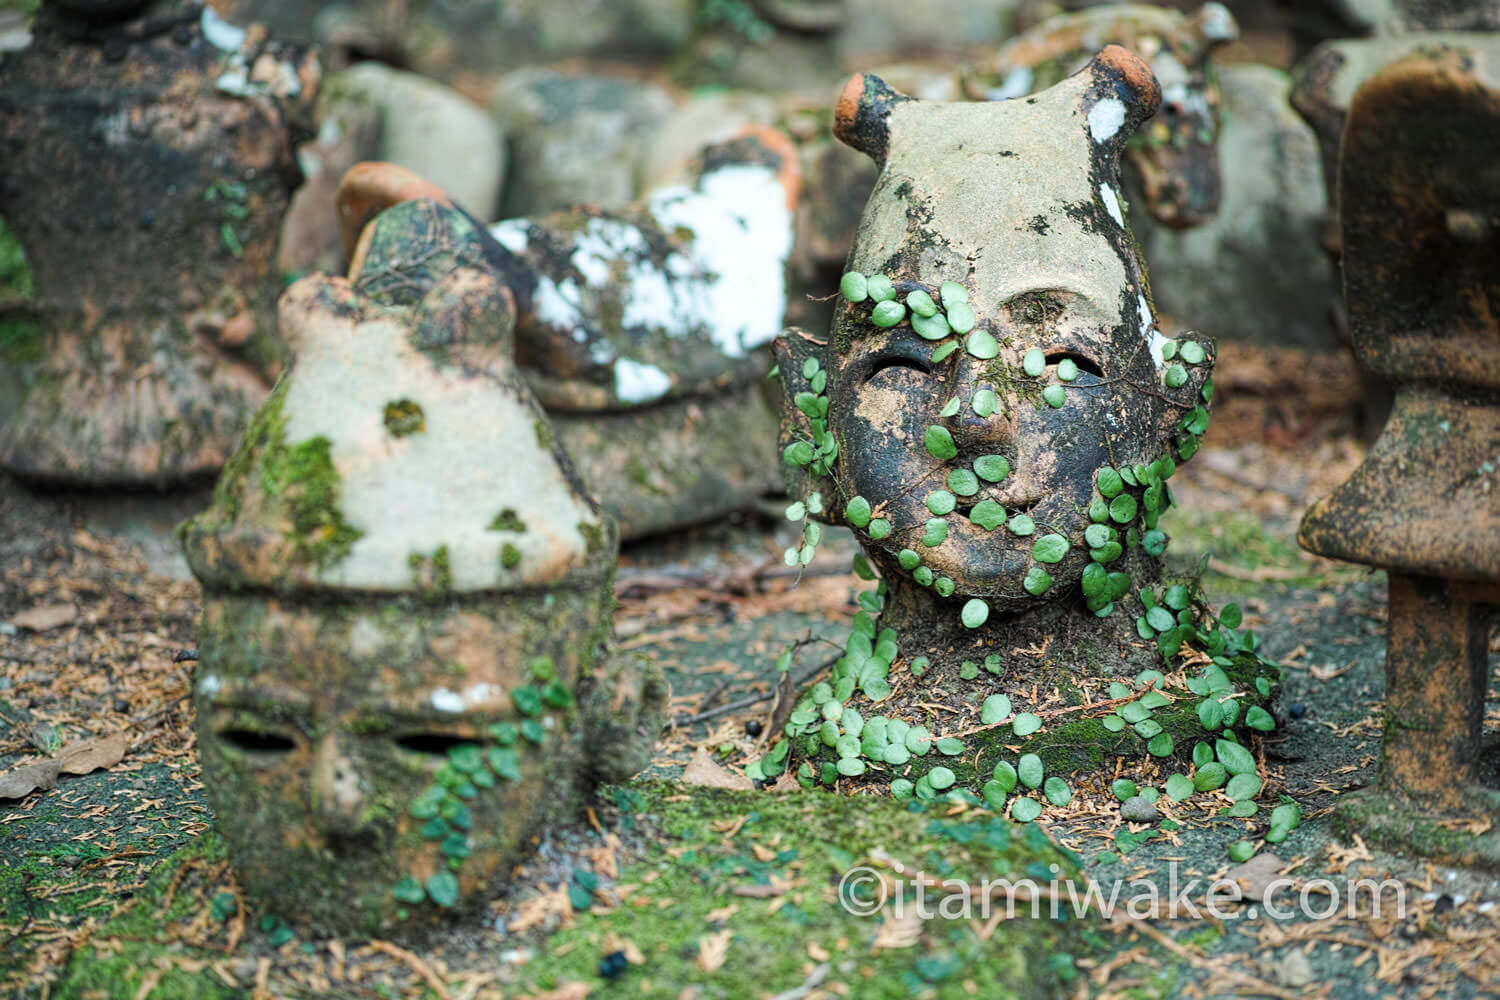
<point>1105,118</point>
<point>220,33</point>
<point>640,383</point>
<point>1218,24</point>
<point>1152,336</point>
<point>1112,204</point>
<point>600,244</point>
<point>511,234</point>
<point>743,235</point>
<point>1017,83</point>
<point>447,701</point>
<point>557,304</point>
<point>209,684</point>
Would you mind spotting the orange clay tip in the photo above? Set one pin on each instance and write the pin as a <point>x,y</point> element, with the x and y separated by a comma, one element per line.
<point>790,171</point>
<point>1136,73</point>
<point>369,188</point>
<point>847,110</point>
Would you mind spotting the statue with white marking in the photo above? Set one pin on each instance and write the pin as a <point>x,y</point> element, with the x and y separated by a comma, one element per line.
<point>405,670</point>
<point>994,413</point>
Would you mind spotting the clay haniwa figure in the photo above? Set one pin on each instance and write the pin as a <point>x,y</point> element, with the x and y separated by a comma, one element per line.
<point>997,417</point>
<point>404,665</point>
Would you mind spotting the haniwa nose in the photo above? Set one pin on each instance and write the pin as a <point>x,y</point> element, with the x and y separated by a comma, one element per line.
<point>338,791</point>
<point>987,421</point>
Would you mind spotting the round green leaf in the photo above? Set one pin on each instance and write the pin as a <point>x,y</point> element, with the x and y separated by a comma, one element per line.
<point>1057,791</point>
<point>1241,851</point>
<point>1037,581</point>
<point>1108,482</point>
<point>933,534</point>
<point>963,482</point>
<point>1192,352</point>
<point>951,292</point>
<point>1049,548</point>
<point>1122,509</point>
<point>939,443</point>
<point>1025,723</point>
<point>1025,810</point>
<point>975,612</point>
<point>941,502</point>
<point>1034,362</point>
<point>982,345</point>
<point>1161,745</point>
<point>1235,757</point>
<point>941,778</point>
<point>1242,787</point>
<point>961,317</point>
<point>887,313</point>
<point>1054,396</point>
<point>880,288</point>
<point>1176,376</point>
<point>988,514</point>
<point>985,402</point>
<point>1067,369</point>
<point>857,512</point>
<point>920,303</point>
<point>1030,770</point>
<point>996,709</point>
<point>1179,787</point>
<point>1005,776</point>
<point>931,327</point>
<point>854,286</point>
<point>992,468</point>
<point>442,888</point>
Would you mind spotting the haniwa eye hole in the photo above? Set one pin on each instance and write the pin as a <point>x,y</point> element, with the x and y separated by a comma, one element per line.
<point>1084,364</point>
<point>254,741</point>
<point>897,361</point>
<point>436,744</point>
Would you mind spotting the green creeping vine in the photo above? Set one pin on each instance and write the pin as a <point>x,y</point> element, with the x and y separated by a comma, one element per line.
<point>1123,514</point>
<point>471,767</point>
<point>1113,510</point>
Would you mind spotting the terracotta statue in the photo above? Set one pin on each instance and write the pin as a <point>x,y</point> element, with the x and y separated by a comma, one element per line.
<point>995,413</point>
<point>643,331</point>
<point>1419,214</point>
<point>404,664</point>
<point>149,161</point>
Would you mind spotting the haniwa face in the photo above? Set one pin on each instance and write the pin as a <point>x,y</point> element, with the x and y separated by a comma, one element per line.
<point>361,764</point>
<point>887,393</point>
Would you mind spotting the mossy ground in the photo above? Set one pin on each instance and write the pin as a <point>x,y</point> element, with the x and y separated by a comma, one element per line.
<point>734,892</point>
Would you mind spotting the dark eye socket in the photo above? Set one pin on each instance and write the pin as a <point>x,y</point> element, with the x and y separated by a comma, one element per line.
<point>437,744</point>
<point>254,741</point>
<point>1084,364</point>
<point>897,361</point>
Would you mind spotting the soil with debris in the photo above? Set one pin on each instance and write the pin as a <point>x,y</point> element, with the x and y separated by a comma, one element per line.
<point>113,884</point>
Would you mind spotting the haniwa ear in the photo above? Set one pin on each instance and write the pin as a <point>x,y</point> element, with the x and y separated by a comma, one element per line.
<point>1122,93</point>
<point>862,117</point>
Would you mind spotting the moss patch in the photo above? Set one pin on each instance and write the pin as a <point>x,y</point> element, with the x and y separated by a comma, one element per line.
<point>507,520</point>
<point>403,417</point>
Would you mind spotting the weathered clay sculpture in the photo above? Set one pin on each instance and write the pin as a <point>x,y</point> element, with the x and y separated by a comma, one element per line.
<point>995,413</point>
<point>1175,157</point>
<point>1419,210</point>
<point>640,330</point>
<point>404,666</point>
<point>149,161</point>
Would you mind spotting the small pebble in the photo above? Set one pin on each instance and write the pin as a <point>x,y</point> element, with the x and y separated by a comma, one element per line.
<point>1294,970</point>
<point>1297,710</point>
<point>611,965</point>
<point>1139,809</point>
<point>753,728</point>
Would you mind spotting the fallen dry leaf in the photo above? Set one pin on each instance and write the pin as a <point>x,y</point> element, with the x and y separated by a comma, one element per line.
<point>702,771</point>
<point>45,617</point>
<point>92,754</point>
<point>28,778</point>
<point>713,949</point>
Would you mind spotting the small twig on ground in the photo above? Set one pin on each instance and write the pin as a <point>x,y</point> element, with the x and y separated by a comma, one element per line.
<point>184,655</point>
<point>753,699</point>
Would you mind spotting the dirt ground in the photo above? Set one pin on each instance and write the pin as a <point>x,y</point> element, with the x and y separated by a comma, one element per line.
<point>113,885</point>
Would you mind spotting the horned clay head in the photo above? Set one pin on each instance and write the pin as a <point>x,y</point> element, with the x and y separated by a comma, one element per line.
<point>402,669</point>
<point>994,409</point>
